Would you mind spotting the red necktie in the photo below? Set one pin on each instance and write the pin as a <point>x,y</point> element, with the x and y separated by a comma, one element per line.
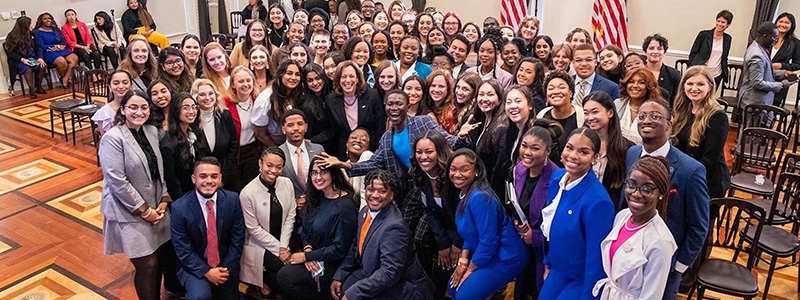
<point>212,247</point>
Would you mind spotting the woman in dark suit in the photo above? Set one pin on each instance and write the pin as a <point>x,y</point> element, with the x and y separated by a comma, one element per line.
<point>785,52</point>
<point>182,145</point>
<point>655,46</point>
<point>134,200</point>
<point>578,216</point>
<point>217,125</point>
<point>601,116</point>
<point>711,48</point>
<point>700,128</point>
<point>353,104</point>
<point>255,10</point>
<point>531,182</point>
<point>359,51</point>
<point>21,48</point>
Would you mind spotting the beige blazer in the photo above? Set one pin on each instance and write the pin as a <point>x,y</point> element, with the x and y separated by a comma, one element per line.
<point>256,207</point>
<point>641,264</point>
<point>103,40</point>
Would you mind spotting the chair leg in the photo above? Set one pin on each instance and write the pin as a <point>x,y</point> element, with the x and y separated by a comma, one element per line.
<point>701,291</point>
<point>64,125</point>
<point>72,120</point>
<point>772,263</point>
<point>691,291</point>
<point>52,124</point>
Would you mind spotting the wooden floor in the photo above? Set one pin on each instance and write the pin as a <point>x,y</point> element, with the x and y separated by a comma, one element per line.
<point>51,243</point>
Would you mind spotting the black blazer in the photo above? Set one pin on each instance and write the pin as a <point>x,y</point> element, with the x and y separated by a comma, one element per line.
<point>710,153</point>
<point>226,142</point>
<point>178,177</point>
<point>615,193</point>
<point>370,116</point>
<point>789,51</point>
<point>701,50</point>
<point>247,13</point>
<point>15,55</point>
<point>669,79</point>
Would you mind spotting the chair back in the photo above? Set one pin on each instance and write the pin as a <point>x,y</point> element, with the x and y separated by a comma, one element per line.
<point>730,217</point>
<point>218,38</point>
<point>765,116</point>
<point>176,45</point>
<point>236,21</point>
<point>734,79</point>
<point>786,200</point>
<point>98,88</point>
<point>759,148</point>
<point>791,163</point>
<point>681,65</point>
<point>79,82</point>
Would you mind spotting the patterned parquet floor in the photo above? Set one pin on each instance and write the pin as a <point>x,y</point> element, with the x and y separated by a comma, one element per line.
<point>51,228</point>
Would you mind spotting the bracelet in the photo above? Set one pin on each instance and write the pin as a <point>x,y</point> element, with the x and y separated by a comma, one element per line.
<point>463,260</point>
<point>462,265</point>
<point>307,247</point>
<point>149,211</point>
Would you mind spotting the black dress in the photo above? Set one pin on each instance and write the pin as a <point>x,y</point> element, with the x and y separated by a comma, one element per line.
<point>710,152</point>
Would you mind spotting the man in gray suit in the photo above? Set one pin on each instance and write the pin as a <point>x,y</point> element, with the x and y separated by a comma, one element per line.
<point>298,151</point>
<point>382,263</point>
<point>759,83</point>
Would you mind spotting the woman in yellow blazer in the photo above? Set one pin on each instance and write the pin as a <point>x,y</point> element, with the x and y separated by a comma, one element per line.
<point>269,208</point>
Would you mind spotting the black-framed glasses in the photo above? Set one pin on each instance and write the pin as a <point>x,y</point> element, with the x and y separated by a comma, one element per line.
<point>321,172</point>
<point>644,189</point>
<point>170,63</point>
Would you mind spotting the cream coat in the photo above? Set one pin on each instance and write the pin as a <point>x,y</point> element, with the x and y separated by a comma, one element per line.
<point>256,208</point>
<point>641,264</point>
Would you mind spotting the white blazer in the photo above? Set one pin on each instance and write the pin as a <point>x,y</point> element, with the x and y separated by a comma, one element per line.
<point>641,264</point>
<point>256,207</point>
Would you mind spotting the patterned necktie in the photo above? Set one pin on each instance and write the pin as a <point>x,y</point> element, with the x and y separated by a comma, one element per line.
<point>301,174</point>
<point>363,234</point>
<point>580,93</point>
<point>212,246</point>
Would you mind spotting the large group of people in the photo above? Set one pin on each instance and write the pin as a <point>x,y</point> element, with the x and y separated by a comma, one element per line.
<point>353,150</point>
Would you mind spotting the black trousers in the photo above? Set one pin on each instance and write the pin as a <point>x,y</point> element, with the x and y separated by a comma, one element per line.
<point>169,266</point>
<point>246,169</point>
<point>296,282</point>
<point>272,264</point>
<point>89,59</point>
<point>780,97</point>
<point>112,56</point>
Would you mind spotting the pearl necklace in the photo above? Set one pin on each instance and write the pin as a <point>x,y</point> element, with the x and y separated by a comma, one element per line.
<point>431,177</point>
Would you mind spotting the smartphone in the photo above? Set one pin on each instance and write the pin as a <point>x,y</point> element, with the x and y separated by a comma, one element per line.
<point>792,77</point>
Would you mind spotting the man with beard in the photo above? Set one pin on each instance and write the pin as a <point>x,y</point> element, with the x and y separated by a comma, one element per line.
<point>208,235</point>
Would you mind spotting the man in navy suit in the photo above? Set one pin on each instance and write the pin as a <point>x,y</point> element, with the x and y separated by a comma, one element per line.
<point>381,263</point>
<point>208,235</point>
<point>688,208</point>
<point>584,59</point>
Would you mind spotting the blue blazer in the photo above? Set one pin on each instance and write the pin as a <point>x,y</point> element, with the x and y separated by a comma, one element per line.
<point>388,267</point>
<point>488,232</point>
<point>602,84</point>
<point>584,217</point>
<point>688,209</point>
<point>189,234</point>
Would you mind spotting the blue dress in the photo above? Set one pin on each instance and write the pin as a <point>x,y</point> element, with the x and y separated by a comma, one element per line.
<point>22,68</point>
<point>494,244</point>
<point>48,39</point>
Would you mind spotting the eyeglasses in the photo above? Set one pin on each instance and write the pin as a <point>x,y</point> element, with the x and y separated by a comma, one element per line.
<point>644,190</point>
<point>135,108</point>
<point>655,116</point>
<point>450,23</point>
<point>170,63</point>
<point>321,172</point>
<point>189,107</point>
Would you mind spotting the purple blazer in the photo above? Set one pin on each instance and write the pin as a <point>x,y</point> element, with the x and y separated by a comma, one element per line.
<point>538,201</point>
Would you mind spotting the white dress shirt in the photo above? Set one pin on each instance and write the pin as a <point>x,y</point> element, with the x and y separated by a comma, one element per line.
<point>586,89</point>
<point>549,211</point>
<point>661,151</point>
<point>203,206</point>
<point>293,155</point>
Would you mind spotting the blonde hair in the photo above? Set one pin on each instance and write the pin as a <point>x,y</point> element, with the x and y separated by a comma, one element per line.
<point>218,105</point>
<point>208,72</point>
<point>231,91</point>
<point>682,107</point>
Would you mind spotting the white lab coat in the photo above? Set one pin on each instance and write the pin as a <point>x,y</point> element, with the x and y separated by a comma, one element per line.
<point>641,264</point>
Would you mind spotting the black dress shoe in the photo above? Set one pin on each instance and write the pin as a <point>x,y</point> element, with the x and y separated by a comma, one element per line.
<point>33,96</point>
<point>40,90</point>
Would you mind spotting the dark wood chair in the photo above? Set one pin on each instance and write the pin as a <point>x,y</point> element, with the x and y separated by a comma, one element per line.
<point>730,218</point>
<point>681,65</point>
<point>775,241</point>
<point>732,85</point>
<point>85,112</point>
<point>759,150</point>
<point>765,116</point>
<point>12,76</point>
<point>176,45</point>
<point>794,125</point>
<point>61,108</point>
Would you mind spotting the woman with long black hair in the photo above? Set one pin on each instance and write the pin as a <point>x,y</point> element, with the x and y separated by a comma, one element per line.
<point>278,25</point>
<point>182,145</point>
<point>488,48</point>
<point>21,49</point>
<point>317,86</point>
<point>285,92</point>
<point>173,70</point>
<point>110,41</point>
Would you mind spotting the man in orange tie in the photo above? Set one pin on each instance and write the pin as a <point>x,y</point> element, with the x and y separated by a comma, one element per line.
<point>208,235</point>
<point>381,263</point>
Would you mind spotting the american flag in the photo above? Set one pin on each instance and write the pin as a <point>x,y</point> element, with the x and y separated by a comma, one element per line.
<point>513,12</point>
<point>609,23</point>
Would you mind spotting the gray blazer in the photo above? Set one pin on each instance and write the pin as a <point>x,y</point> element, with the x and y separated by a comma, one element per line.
<point>290,171</point>
<point>759,83</point>
<point>126,175</point>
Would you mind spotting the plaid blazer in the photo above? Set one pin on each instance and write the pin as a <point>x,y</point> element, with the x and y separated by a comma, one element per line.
<point>385,159</point>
